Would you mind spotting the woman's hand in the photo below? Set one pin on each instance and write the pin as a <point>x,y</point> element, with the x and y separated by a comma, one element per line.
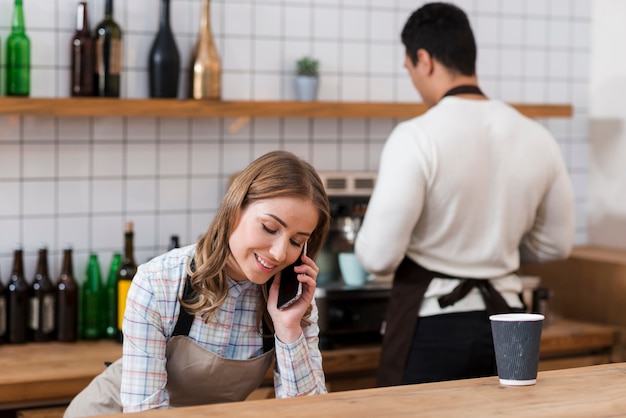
<point>287,321</point>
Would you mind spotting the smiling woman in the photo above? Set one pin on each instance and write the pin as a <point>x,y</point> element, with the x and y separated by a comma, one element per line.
<point>214,303</point>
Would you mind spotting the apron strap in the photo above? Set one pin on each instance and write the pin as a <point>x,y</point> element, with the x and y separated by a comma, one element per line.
<point>494,302</point>
<point>464,89</point>
<point>185,319</point>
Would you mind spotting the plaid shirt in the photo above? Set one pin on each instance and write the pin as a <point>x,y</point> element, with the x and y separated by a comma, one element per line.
<point>151,313</point>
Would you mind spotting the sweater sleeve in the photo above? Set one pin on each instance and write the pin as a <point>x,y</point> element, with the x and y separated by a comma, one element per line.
<point>397,200</point>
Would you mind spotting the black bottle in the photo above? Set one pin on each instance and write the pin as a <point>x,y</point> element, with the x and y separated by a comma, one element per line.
<point>67,300</point>
<point>164,59</point>
<point>17,301</point>
<point>3,313</point>
<point>108,55</point>
<point>42,313</point>
<point>173,243</point>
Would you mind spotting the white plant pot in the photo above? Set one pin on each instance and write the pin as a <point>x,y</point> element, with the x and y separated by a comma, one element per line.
<point>306,88</point>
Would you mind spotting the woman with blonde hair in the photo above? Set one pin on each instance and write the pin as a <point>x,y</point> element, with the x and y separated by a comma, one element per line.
<point>202,324</point>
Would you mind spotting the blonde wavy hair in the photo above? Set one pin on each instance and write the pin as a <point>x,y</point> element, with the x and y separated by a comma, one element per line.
<point>275,174</point>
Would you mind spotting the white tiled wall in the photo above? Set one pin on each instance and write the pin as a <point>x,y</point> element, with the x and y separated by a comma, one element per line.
<point>78,180</point>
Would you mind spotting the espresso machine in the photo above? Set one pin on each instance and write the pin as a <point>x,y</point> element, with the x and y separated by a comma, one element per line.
<point>348,315</point>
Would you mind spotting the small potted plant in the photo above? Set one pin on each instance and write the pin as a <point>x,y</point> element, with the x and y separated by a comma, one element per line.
<point>307,78</point>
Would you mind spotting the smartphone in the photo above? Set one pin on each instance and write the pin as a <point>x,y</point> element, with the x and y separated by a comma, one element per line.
<point>290,288</point>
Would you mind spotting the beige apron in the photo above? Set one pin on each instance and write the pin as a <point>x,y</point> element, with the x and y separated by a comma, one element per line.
<point>195,376</point>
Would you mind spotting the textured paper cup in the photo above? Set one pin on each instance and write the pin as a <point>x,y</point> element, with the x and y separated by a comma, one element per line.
<point>516,339</point>
<point>352,272</point>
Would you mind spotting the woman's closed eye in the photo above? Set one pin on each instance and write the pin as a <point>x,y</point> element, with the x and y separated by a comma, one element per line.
<point>271,231</point>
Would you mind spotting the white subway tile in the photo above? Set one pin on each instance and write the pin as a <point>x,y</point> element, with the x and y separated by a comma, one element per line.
<point>39,197</point>
<point>73,160</point>
<point>173,159</point>
<point>108,160</point>
<point>74,197</point>
<point>10,206</point>
<point>298,19</point>
<point>10,163</point>
<point>107,196</point>
<point>140,160</point>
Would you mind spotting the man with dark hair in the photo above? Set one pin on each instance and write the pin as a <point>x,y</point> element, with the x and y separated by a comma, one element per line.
<point>464,193</point>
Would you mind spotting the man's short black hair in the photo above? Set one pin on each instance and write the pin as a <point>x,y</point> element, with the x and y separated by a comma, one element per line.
<point>444,31</point>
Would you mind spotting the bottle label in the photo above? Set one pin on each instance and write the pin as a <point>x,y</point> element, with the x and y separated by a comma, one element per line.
<point>122,292</point>
<point>3,316</point>
<point>47,325</point>
<point>33,314</point>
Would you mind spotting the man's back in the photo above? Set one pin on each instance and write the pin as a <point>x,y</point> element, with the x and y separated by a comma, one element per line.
<point>462,185</point>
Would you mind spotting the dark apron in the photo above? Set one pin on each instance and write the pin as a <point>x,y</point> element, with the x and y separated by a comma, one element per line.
<point>410,282</point>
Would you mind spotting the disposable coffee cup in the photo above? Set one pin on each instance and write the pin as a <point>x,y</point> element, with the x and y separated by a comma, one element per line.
<point>516,340</point>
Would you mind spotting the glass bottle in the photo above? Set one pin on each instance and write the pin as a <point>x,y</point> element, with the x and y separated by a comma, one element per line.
<point>164,59</point>
<point>18,55</point>
<point>125,275</point>
<point>206,68</point>
<point>3,313</point>
<point>67,300</point>
<point>111,297</point>
<point>173,242</point>
<point>108,55</point>
<point>42,294</point>
<point>82,71</point>
<point>17,301</point>
<point>92,315</point>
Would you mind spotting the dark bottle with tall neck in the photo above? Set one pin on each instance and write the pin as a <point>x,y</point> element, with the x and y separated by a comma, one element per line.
<point>18,55</point>
<point>164,59</point>
<point>82,56</point>
<point>67,300</point>
<point>3,313</point>
<point>108,55</point>
<point>17,301</point>
<point>125,275</point>
<point>42,313</point>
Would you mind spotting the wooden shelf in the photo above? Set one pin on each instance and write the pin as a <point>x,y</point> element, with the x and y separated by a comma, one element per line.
<point>85,107</point>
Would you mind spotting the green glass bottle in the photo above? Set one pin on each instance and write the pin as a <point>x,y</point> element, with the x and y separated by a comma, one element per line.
<point>111,297</point>
<point>18,55</point>
<point>108,59</point>
<point>92,301</point>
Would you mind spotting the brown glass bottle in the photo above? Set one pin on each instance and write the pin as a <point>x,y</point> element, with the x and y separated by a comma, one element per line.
<point>125,275</point>
<point>67,300</point>
<point>17,301</point>
<point>42,294</point>
<point>82,66</point>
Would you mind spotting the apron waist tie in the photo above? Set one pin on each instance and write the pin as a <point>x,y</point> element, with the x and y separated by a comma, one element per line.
<point>494,302</point>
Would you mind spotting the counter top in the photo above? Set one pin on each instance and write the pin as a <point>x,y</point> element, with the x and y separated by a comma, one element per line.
<point>593,391</point>
<point>53,373</point>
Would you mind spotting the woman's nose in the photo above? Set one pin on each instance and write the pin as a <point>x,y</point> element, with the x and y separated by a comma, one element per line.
<point>279,250</point>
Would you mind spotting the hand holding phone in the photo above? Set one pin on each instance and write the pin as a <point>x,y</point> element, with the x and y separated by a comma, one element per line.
<point>290,288</point>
